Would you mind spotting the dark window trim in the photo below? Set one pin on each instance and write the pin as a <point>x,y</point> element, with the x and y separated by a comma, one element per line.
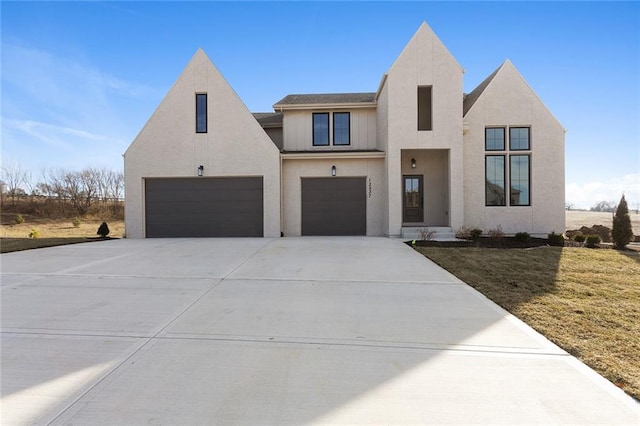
<point>504,138</point>
<point>529,177</point>
<point>504,180</point>
<point>313,130</point>
<point>520,149</point>
<point>425,123</point>
<point>349,128</point>
<point>206,113</point>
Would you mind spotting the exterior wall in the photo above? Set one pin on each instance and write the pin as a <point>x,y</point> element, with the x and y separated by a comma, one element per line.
<point>509,101</point>
<point>424,61</point>
<point>298,130</point>
<point>293,170</point>
<point>168,145</point>
<point>382,130</point>
<point>433,166</point>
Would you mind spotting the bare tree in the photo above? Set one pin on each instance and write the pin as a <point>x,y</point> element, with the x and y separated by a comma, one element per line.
<point>14,177</point>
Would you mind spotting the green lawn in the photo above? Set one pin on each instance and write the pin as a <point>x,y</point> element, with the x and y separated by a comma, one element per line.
<point>587,301</point>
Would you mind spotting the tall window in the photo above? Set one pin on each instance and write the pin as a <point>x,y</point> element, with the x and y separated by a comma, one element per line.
<point>494,168</point>
<point>201,113</point>
<point>424,108</point>
<point>320,128</point>
<point>341,125</point>
<point>519,166</point>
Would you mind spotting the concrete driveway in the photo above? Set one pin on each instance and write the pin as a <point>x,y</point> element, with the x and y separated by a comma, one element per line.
<point>274,331</point>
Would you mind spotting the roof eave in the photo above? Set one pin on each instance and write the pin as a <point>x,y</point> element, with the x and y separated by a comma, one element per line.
<point>350,105</point>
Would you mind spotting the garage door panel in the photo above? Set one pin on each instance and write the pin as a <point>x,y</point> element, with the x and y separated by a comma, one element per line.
<point>334,206</point>
<point>204,207</point>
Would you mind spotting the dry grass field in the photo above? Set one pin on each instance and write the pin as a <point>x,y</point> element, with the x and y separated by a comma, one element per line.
<point>587,301</point>
<point>577,218</point>
<point>48,228</point>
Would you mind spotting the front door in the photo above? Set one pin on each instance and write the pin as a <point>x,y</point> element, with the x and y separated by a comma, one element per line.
<point>412,199</point>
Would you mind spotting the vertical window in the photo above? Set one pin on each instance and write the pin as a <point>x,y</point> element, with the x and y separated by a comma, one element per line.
<point>424,108</point>
<point>201,113</point>
<point>320,128</point>
<point>519,138</point>
<point>495,177</point>
<point>494,139</point>
<point>519,177</point>
<point>341,128</point>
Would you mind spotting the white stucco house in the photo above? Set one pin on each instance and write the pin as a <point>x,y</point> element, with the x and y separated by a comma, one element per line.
<point>415,153</point>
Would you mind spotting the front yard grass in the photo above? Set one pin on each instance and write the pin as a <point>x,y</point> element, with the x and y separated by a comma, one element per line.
<point>586,301</point>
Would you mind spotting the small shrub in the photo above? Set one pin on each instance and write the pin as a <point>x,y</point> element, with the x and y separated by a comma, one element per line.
<point>475,233</point>
<point>76,222</point>
<point>622,233</point>
<point>426,234</point>
<point>19,219</point>
<point>34,233</point>
<point>496,233</point>
<point>522,237</point>
<point>593,240</point>
<point>555,239</point>
<point>463,233</point>
<point>103,230</point>
<point>579,238</point>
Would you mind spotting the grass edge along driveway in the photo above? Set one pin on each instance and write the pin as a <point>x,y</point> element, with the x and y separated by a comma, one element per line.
<point>586,301</point>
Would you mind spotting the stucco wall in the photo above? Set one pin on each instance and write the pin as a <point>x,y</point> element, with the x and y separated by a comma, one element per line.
<point>168,145</point>
<point>509,101</point>
<point>424,61</point>
<point>294,170</point>
<point>298,130</point>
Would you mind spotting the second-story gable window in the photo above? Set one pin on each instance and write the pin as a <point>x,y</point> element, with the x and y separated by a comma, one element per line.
<point>341,128</point>
<point>424,108</point>
<point>201,113</point>
<point>320,128</point>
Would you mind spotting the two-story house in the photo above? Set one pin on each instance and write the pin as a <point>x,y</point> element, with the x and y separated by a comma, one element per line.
<point>415,153</point>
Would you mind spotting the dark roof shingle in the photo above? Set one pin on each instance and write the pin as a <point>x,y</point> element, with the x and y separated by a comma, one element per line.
<point>327,98</point>
<point>268,119</point>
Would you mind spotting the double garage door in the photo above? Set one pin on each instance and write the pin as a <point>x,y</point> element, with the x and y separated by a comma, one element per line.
<point>334,206</point>
<point>204,207</point>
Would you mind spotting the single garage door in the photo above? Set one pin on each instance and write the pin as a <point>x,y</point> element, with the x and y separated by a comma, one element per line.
<point>204,207</point>
<point>334,206</point>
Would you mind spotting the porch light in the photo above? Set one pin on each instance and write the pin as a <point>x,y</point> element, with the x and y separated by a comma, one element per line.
<point>200,170</point>
<point>333,170</point>
<point>413,163</point>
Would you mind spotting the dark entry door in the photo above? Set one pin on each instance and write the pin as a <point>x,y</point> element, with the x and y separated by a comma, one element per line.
<point>412,199</point>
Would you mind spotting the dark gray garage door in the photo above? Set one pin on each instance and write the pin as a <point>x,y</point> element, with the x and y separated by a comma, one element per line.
<point>204,207</point>
<point>334,206</point>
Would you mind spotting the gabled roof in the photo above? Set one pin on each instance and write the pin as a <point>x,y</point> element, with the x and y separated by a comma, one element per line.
<point>325,99</point>
<point>472,97</point>
<point>268,119</point>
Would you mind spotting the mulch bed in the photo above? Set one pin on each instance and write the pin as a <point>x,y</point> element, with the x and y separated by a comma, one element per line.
<point>485,242</point>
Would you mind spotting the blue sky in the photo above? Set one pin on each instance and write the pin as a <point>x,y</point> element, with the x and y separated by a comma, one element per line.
<point>80,79</point>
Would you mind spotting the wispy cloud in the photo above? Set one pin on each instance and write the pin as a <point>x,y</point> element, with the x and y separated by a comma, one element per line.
<point>588,194</point>
<point>53,105</point>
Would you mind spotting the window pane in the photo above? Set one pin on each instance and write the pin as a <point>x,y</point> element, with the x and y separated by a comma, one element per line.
<point>494,139</point>
<point>341,128</point>
<point>201,113</point>
<point>424,108</point>
<point>519,177</point>
<point>494,182</point>
<point>321,129</point>
<point>519,138</point>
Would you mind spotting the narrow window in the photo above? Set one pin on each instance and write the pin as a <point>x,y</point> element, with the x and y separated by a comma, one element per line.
<point>519,138</point>
<point>519,176</point>
<point>424,108</point>
<point>494,139</point>
<point>320,128</point>
<point>341,128</point>
<point>201,113</point>
<point>494,180</point>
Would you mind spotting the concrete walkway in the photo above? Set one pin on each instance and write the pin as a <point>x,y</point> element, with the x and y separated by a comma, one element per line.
<point>274,331</point>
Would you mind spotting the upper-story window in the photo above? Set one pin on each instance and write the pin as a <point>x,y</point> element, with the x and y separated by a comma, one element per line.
<point>517,168</point>
<point>320,128</point>
<point>424,108</point>
<point>341,128</point>
<point>201,113</point>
